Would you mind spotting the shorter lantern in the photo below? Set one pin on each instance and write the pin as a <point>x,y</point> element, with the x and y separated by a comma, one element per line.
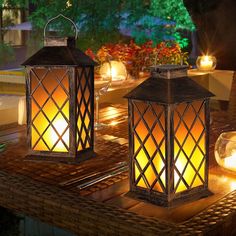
<point>206,63</point>
<point>113,69</point>
<point>225,150</point>
<point>60,100</point>
<point>168,136</point>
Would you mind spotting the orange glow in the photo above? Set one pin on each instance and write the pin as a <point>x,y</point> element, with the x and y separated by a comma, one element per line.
<point>84,109</point>
<point>114,69</point>
<point>188,156</point>
<point>149,148</point>
<point>229,162</point>
<point>232,185</point>
<point>189,146</point>
<point>228,181</point>
<point>206,63</point>
<point>48,97</point>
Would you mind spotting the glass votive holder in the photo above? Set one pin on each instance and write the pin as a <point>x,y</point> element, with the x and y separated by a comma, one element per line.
<point>206,63</point>
<point>225,150</point>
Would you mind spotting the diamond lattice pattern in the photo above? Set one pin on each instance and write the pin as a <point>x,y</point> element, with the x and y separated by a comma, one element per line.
<point>84,113</point>
<point>189,145</point>
<point>149,145</point>
<point>49,109</point>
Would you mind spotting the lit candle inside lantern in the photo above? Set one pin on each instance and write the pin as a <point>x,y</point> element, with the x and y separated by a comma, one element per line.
<point>181,162</point>
<point>60,125</point>
<point>168,139</point>
<point>60,99</point>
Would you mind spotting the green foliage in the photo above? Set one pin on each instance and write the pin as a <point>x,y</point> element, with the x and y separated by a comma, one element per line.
<point>6,53</point>
<point>182,41</point>
<point>35,42</point>
<point>172,10</point>
<point>147,29</point>
<point>46,9</point>
<point>13,3</point>
<point>159,21</point>
<point>99,21</point>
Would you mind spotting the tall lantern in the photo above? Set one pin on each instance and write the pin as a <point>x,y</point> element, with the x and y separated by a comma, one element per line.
<point>60,100</point>
<point>168,134</point>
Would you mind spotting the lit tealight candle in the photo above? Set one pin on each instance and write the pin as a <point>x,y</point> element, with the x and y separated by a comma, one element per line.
<point>229,162</point>
<point>114,69</point>
<point>206,63</point>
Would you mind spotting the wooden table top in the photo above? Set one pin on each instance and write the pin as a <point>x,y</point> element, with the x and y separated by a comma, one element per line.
<point>111,147</point>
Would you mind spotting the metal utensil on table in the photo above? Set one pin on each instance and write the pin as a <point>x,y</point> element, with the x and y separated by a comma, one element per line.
<point>88,177</point>
<point>103,177</point>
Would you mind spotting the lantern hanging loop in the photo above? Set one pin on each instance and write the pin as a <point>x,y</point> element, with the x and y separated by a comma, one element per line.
<point>56,17</point>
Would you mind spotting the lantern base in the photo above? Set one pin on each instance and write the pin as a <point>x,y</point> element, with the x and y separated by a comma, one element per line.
<point>162,200</point>
<point>61,157</point>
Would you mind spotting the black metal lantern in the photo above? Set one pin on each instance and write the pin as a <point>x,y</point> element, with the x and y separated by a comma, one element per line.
<point>60,100</point>
<point>168,134</point>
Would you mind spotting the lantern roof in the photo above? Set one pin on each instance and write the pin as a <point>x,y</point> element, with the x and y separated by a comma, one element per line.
<point>66,55</point>
<point>169,91</point>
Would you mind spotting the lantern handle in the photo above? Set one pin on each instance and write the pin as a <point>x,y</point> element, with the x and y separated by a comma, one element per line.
<point>54,18</point>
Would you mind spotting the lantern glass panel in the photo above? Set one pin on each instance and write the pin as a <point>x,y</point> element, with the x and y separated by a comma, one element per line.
<point>84,113</point>
<point>149,145</point>
<point>189,145</point>
<point>50,109</point>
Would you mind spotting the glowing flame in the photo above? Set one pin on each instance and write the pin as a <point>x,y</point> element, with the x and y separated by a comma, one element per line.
<point>206,62</point>
<point>114,69</point>
<point>230,162</point>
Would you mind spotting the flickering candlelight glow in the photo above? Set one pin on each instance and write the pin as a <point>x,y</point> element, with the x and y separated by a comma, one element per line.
<point>168,138</point>
<point>185,147</point>
<point>60,98</point>
<point>60,126</point>
<point>206,63</point>
<point>50,130</point>
<point>232,185</point>
<point>230,162</point>
<point>228,181</point>
<point>189,157</point>
<point>114,69</point>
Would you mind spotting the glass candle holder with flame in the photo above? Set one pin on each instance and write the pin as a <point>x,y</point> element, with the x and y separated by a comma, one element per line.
<point>225,150</point>
<point>115,70</point>
<point>206,63</point>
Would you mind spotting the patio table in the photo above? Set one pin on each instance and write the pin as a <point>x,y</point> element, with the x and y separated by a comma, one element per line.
<point>50,190</point>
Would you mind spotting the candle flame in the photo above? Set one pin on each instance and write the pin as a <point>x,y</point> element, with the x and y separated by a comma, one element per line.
<point>230,162</point>
<point>115,70</point>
